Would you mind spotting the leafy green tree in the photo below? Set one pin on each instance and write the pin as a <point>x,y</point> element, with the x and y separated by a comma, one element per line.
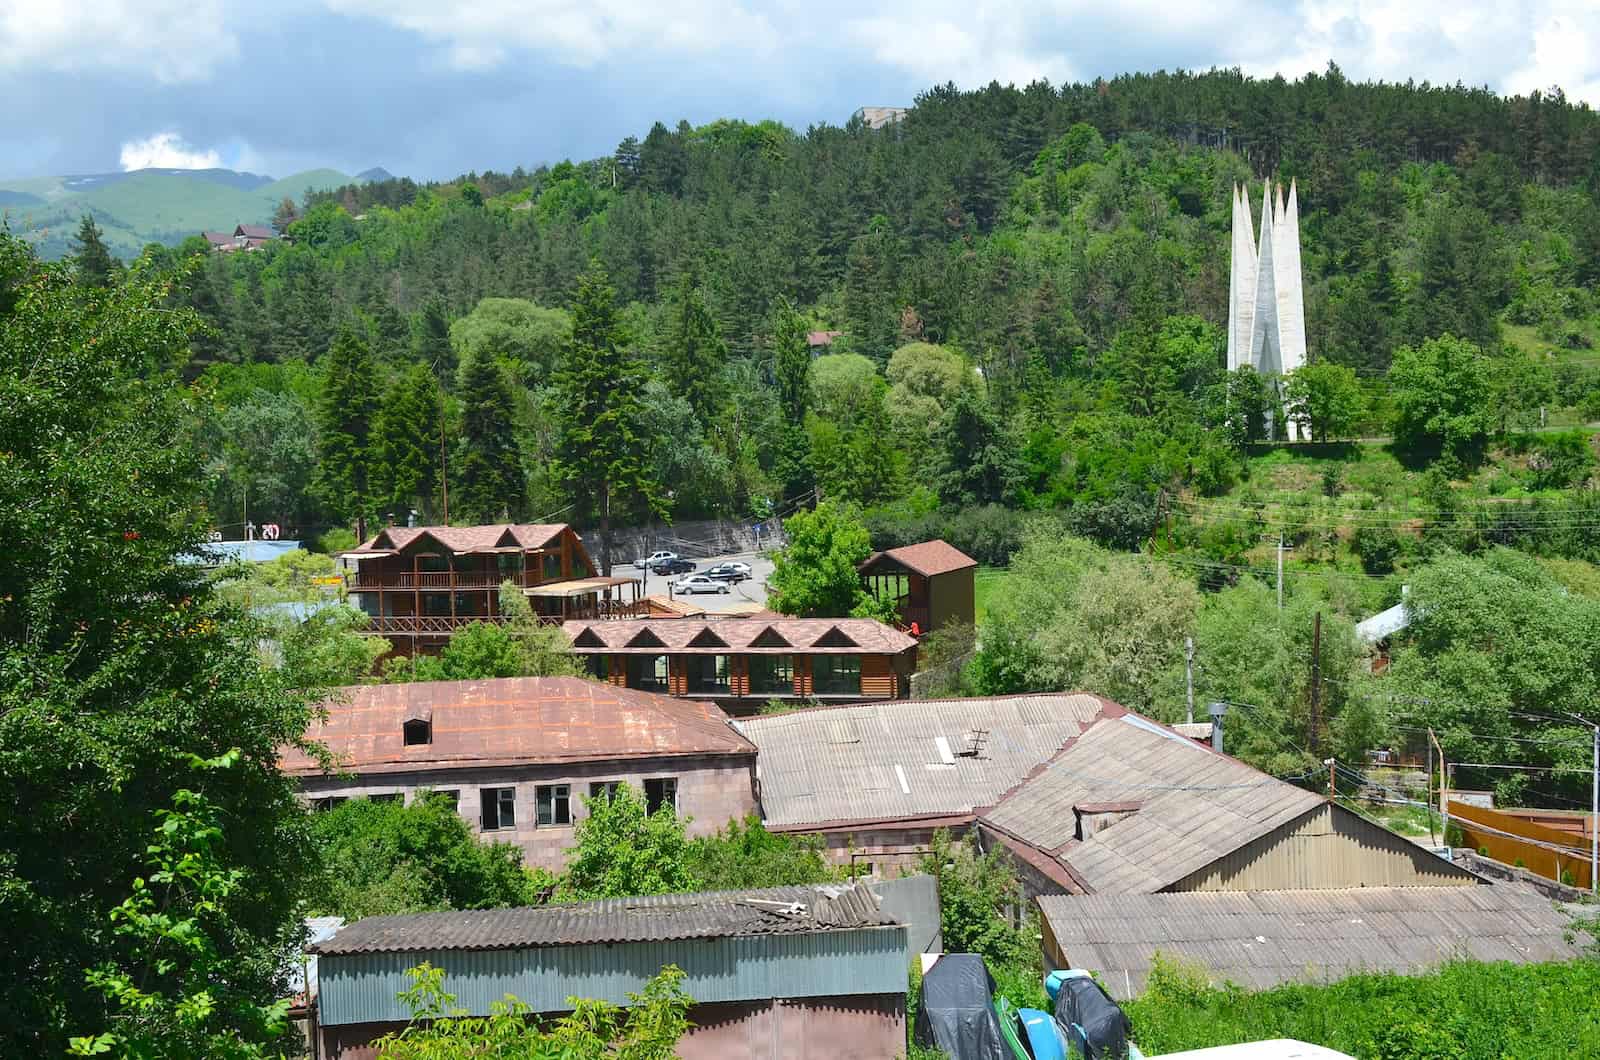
<point>345,414</point>
<point>266,459</point>
<point>383,858</point>
<point>815,574</point>
<point>95,265</point>
<point>489,481</point>
<point>1077,616</point>
<point>110,702</point>
<point>977,889</point>
<point>1325,400</point>
<point>602,455</point>
<point>693,351</point>
<point>1442,399</point>
<point>647,1029</point>
<point>409,433</point>
<point>172,923</point>
<point>524,336</point>
<point>1248,406</point>
<point>791,363</point>
<point>624,850</point>
<point>521,647</point>
<point>328,649</point>
<point>978,459</point>
<point>746,855</point>
<point>924,381</point>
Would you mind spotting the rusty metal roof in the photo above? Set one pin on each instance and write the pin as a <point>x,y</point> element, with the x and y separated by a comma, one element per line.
<point>901,759</point>
<point>927,558</point>
<point>1195,805</point>
<point>512,720</point>
<point>1260,939</point>
<point>487,538</point>
<point>813,636</point>
<point>657,918</point>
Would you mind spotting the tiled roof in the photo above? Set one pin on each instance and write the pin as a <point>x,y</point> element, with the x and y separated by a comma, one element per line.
<point>255,231</point>
<point>927,558</point>
<point>1259,939</point>
<point>512,720</point>
<point>1195,806</point>
<point>217,238</point>
<point>658,918</point>
<point>821,338</point>
<point>903,758</point>
<point>814,636</point>
<point>467,538</point>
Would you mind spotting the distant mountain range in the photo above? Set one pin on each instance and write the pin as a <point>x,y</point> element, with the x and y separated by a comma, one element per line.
<point>153,205</point>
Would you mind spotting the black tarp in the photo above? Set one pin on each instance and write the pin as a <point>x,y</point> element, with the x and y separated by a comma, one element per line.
<point>1082,1003</point>
<point>956,1012</point>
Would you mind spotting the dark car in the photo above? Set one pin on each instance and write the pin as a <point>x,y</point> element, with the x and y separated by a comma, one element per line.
<point>673,566</point>
<point>729,572</point>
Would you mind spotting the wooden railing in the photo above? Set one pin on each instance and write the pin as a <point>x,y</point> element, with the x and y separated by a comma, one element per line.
<point>424,624</point>
<point>446,580</point>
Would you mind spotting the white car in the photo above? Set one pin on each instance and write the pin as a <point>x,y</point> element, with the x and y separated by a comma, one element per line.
<point>698,583</point>
<point>654,558</point>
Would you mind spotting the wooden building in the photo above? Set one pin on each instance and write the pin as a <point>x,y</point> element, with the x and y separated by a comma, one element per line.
<point>932,584</point>
<point>742,663</point>
<point>421,584</point>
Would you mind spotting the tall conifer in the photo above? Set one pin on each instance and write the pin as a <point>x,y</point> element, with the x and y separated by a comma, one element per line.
<point>345,412</point>
<point>488,477</point>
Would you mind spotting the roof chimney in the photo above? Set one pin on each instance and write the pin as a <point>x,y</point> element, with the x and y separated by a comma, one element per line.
<point>1217,710</point>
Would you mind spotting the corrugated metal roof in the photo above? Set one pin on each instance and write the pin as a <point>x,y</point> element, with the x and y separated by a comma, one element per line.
<point>743,635</point>
<point>512,720</point>
<point>1195,805</point>
<point>655,918</point>
<point>1263,938</point>
<point>927,558</point>
<point>811,775</point>
<point>1384,624</point>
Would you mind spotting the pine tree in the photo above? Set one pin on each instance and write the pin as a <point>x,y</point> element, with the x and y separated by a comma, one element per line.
<point>791,367</point>
<point>695,352</point>
<point>285,215</point>
<point>96,266</point>
<point>488,476</point>
<point>409,432</point>
<point>601,454</point>
<point>430,339</point>
<point>348,405</point>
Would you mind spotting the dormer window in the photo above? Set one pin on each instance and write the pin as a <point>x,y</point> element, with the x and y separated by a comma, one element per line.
<point>418,732</point>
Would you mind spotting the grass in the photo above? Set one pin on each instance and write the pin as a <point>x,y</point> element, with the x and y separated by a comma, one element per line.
<point>1465,1010</point>
<point>986,582</point>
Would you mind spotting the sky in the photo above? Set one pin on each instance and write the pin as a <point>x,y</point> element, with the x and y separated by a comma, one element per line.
<point>431,89</point>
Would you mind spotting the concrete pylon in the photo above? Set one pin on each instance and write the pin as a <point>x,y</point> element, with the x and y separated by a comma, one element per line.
<point>1266,300</point>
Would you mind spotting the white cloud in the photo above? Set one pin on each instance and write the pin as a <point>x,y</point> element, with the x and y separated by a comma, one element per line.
<point>165,150</point>
<point>484,34</point>
<point>168,41</point>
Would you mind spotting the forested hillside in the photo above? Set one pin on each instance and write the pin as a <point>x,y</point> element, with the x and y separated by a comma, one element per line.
<point>1028,287</point>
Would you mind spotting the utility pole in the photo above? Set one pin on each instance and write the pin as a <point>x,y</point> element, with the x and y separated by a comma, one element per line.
<point>1333,788</point>
<point>1188,676</point>
<point>1280,570</point>
<point>1444,790</point>
<point>1431,836</point>
<point>1316,680</point>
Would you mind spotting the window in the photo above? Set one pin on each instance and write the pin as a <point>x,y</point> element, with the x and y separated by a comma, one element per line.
<point>647,672</point>
<point>708,673</point>
<point>388,796</point>
<point>599,666</point>
<point>452,796</point>
<point>499,808</point>
<point>552,566</point>
<point>325,804</point>
<point>418,732</point>
<point>604,789</point>
<point>836,675</point>
<point>554,804</point>
<point>659,792</point>
<point>772,674</point>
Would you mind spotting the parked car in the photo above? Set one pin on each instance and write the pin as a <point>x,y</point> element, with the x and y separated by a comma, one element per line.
<point>672,566</point>
<point>698,583</point>
<point>729,572</point>
<point>653,558</point>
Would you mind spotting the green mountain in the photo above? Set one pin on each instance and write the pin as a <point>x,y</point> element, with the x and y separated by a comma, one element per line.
<point>149,205</point>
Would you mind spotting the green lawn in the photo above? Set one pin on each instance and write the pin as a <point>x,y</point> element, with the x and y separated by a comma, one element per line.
<point>987,580</point>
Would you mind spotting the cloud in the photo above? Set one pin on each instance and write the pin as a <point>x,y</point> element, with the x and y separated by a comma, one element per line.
<point>484,34</point>
<point>165,150</point>
<point>168,41</point>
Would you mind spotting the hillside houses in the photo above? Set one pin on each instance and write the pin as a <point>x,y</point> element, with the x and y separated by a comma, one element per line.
<point>243,237</point>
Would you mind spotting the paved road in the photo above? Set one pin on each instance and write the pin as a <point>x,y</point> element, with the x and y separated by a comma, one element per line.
<point>743,595</point>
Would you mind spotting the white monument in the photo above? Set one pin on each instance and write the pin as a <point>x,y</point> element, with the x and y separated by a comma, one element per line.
<point>1266,306</point>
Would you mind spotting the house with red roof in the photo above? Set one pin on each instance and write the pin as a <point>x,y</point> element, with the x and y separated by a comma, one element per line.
<point>932,584</point>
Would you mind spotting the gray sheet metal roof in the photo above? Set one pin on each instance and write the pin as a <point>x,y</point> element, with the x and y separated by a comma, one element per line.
<point>883,761</point>
<point>1260,939</point>
<point>656,918</point>
<point>1195,805</point>
<point>1384,624</point>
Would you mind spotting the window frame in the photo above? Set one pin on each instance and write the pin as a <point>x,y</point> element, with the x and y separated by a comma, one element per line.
<point>661,670</point>
<point>755,664</point>
<point>416,725</point>
<point>606,788</point>
<point>827,685</point>
<point>721,667</point>
<point>547,798</point>
<point>503,801</point>
<point>663,785</point>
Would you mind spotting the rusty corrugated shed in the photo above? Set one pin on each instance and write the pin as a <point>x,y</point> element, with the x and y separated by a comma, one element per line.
<point>904,758</point>
<point>512,720</point>
<point>1263,938</point>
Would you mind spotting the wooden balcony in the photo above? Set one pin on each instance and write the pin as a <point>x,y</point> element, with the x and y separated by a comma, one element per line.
<point>431,581</point>
<point>425,625</point>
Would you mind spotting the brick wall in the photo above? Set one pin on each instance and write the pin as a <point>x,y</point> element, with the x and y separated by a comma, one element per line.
<point>710,791</point>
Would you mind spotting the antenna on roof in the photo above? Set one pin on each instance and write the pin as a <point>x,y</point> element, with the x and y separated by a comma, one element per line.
<point>977,740</point>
